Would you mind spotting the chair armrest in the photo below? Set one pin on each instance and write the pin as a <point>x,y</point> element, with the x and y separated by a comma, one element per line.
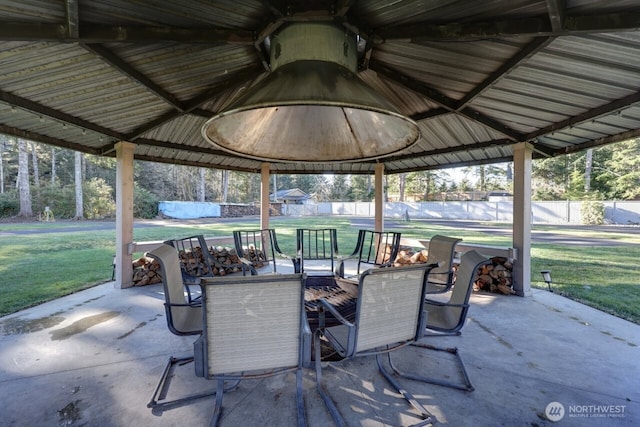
<point>189,281</point>
<point>306,342</point>
<point>248,264</point>
<point>194,304</point>
<point>345,348</point>
<point>445,304</point>
<point>325,305</point>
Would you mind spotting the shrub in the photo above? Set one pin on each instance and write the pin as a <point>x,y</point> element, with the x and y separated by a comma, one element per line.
<point>61,200</point>
<point>592,213</point>
<point>9,204</point>
<point>98,199</point>
<point>145,203</point>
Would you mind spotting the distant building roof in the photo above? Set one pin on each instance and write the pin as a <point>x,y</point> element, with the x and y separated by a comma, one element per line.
<point>293,195</point>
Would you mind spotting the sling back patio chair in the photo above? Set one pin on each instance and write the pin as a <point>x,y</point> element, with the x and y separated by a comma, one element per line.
<point>373,249</point>
<point>442,249</point>
<point>254,327</point>
<point>389,316</point>
<point>258,248</point>
<point>183,318</point>
<point>315,248</point>
<point>448,317</point>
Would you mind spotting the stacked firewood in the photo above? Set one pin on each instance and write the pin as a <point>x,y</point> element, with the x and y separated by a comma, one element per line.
<point>407,255</point>
<point>146,270</point>
<point>494,277</point>
<point>255,256</point>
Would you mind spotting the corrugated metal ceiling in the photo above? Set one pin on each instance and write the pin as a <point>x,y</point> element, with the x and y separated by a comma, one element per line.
<point>478,77</point>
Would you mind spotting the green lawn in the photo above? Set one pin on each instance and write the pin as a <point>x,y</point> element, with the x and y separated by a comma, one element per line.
<point>41,266</point>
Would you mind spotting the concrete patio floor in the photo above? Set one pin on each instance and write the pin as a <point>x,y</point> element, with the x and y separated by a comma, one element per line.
<point>94,358</point>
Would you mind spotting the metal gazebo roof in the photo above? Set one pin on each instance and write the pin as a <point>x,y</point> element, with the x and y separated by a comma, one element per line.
<point>477,76</point>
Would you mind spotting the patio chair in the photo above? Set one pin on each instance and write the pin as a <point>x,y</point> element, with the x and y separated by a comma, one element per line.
<point>254,327</point>
<point>448,317</point>
<point>319,245</point>
<point>183,318</point>
<point>373,249</point>
<point>258,248</point>
<point>389,316</point>
<point>442,249</point>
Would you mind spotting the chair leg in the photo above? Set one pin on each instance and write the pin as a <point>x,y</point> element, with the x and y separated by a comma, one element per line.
<point>428,418</point>
<point>441,334</point>
<point>163,386</point>
<point>217,409</point>
<point>467,386</point>
<point>302,416</point>
<point>329,403</point>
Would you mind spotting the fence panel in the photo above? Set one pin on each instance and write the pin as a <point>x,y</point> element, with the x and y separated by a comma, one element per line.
<point>549,212</point>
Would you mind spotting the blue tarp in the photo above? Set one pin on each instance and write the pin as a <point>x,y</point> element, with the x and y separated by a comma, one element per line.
<point>189,210</point>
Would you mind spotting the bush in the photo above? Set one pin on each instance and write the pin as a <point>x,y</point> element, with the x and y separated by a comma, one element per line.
<point>145,203</point>
<point>592,213</point>
<point>61,200</point>
<point>9,204</point>
<point>98,199</point>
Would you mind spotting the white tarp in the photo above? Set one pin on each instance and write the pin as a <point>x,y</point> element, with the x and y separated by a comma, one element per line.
<point>189,210</point>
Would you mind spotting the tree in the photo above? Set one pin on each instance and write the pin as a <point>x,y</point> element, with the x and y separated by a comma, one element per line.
<point>339,190</point>
<point>424,183</point>
<point>2,150</point>
<point>492,177</point>
<point>23,180</point>
<point>550,178</point>
<point>623,170</point>
<point>402,180</point>
<point>78,185</point>
<point>201,187</point>
<point>53,166</point>
<point>362,188</point>
<point>224,183</point>
<point>36,171</point>
<point>587,170</point>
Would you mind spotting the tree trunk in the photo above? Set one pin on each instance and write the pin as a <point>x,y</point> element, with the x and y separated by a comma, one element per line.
<point>201,187</point>
<point>23,180</point>
<point>78,184</point>
<point>587,170</point>
<point>275,187</point>
<point>385,191</point>
<point>36,171</point>
<point>53,166</point>
<point>225,185</point>
<point>482,178</point>
<point>403,181</point>
<point>2,142</point>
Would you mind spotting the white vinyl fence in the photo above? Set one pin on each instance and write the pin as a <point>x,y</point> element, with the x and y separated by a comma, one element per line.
<point>557,212</point>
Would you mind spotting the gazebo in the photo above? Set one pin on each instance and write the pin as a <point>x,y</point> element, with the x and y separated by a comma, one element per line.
<point>307,87</point>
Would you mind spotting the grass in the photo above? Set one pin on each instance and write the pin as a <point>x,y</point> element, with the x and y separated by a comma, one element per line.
<point>56,259</point>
